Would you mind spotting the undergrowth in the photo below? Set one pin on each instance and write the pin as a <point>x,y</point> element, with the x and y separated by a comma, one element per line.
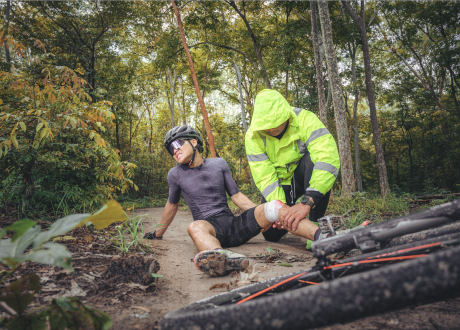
<point>362,206</point>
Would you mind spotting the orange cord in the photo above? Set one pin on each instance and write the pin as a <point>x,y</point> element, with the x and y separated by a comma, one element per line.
<point>309,282</point>
<point>377,260</point>
<point>268,289</point>
<point>406,250</point>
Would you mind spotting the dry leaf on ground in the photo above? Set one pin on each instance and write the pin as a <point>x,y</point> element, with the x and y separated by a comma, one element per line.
<point>145,309</point>
<point>218,285</point>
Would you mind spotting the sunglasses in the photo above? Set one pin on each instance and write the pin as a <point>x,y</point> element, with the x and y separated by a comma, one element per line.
<point>176,144</point>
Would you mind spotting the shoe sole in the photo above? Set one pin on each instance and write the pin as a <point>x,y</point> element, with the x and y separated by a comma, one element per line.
<point>218,265</point>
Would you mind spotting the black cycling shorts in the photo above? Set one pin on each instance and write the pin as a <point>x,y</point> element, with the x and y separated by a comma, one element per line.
<point>234,231</point>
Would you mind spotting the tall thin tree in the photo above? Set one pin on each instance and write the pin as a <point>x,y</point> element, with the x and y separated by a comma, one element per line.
<point>318,65</point>
<point>195,83</point>
<point>346,166</point>
<point>360,22</point>
<point>257,50</point>
<point>355,126</point>
<point>243,114</point>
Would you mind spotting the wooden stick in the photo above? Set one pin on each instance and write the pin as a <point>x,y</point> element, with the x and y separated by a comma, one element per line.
<point>195,82</point>
<point>8,308</point>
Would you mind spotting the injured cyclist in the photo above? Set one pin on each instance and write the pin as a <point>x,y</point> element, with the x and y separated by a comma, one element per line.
<point>203,183</point>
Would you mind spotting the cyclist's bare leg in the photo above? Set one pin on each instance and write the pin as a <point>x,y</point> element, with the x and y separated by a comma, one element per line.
<point>203,235</point>
<point>306,228</point>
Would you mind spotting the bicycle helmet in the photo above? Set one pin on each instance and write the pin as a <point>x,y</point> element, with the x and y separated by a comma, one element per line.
<point>185,132</point>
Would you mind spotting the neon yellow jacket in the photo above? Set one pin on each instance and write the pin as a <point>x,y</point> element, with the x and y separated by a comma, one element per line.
<point>272,161</point>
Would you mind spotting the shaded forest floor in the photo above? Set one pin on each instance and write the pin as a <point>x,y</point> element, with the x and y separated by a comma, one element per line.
<point>136,306</point>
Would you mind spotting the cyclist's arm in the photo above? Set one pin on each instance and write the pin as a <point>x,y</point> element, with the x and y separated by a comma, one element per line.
<point>172,205</point>
<point>166,218</point>
<point>242,201</point>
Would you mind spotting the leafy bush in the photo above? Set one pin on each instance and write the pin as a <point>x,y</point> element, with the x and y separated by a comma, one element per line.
<point>63,312</point>
<point>53,154</point>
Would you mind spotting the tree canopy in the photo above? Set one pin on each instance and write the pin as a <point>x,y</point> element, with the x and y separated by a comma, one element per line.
<point>90,88</point>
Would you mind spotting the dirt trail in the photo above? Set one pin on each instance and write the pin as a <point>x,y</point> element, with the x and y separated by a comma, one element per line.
<point>183,283</point>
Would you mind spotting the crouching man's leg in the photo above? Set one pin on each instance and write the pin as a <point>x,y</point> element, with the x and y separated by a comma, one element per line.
<point>212,259</point>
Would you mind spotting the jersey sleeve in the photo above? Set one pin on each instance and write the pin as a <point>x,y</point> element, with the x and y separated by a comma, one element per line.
<point>230,186</point>
<point>174,188</point>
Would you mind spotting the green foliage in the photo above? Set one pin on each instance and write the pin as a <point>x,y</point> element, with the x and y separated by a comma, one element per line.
<point>13,250</point>
<point>53,154</point>
<point>271,250</point>
<point>63,313</point>
<point>355,220</point>
<point>16,297</point>
<point>85,113</point>
<point>129,236</point>
<point>365,205</point>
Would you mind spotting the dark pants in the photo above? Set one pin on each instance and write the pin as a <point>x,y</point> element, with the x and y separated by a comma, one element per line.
<point>299,184</point>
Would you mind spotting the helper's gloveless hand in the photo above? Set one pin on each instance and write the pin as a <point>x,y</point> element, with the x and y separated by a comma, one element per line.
<point>294,215</point>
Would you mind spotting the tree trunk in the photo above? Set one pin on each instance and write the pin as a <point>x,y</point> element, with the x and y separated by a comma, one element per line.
<point>195,82</point>
<point>240,91</point>
<point>318,64</point>
<point>361,24</point>
<point>172,86</point>
<point>359,179</point>
<point>91,76</point>
<point>348,184</point>
<point>7,23</point>
<point>254,43</point>
<point>452,89</point>
<point>288,60</point>
<point>243,114</point>
<point>184,119</point>
<point>117,135</point>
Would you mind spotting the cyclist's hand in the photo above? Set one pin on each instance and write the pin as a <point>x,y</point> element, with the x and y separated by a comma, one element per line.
<point>152,235</point>
<point>294,215</point>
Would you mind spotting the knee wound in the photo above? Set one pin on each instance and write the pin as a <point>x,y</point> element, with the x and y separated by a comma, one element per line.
<point>271,210</point>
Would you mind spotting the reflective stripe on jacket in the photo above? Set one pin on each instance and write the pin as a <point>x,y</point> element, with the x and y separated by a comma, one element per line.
<point>273,162</point>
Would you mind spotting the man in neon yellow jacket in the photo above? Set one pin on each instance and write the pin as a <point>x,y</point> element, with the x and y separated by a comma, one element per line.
<point>293,158</point>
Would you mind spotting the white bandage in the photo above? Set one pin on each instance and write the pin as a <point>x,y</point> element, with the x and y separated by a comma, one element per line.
<point>271,210</point>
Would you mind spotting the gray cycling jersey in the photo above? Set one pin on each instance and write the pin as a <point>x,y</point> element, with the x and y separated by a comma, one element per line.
<point>203,188</point>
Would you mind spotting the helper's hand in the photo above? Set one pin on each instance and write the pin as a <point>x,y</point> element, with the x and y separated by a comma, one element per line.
<point>294,215</point>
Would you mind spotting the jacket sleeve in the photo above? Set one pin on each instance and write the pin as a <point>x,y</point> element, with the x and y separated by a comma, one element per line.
<point>323,153</point>
<point>262,169</point>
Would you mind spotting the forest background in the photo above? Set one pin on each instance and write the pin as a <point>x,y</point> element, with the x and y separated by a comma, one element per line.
<point>90,88</point>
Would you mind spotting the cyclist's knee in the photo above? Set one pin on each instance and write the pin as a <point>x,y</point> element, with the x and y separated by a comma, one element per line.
<point>194,228</point>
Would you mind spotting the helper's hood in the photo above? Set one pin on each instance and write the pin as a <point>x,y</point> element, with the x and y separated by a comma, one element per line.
<point>270,110</point>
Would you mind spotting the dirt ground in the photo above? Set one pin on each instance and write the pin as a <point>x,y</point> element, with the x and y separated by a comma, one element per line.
<point>183,284</point>
<point>135,306</point>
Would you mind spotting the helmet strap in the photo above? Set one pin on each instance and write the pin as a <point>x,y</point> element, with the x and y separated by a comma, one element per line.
<point>193,157</point>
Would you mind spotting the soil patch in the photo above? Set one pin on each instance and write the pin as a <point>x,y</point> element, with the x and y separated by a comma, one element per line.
<point>135,269</point>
